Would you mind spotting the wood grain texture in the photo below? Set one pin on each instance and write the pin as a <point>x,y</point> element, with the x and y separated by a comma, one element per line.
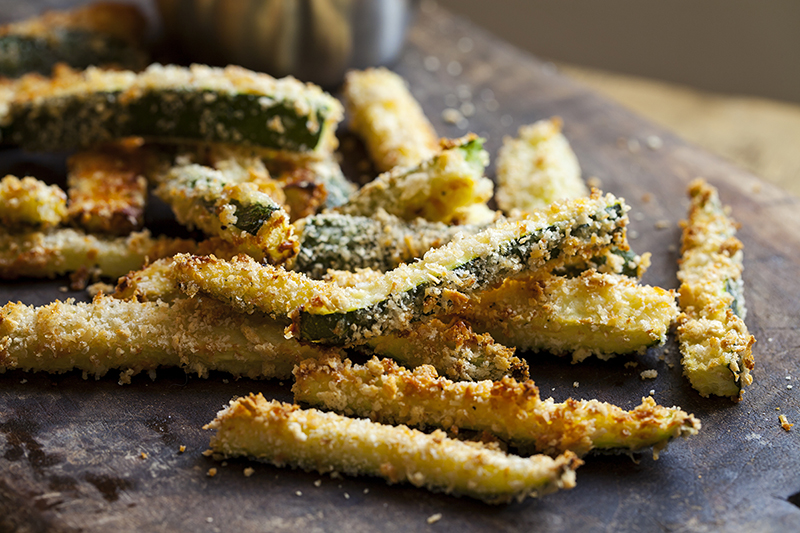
<point>71,449</point>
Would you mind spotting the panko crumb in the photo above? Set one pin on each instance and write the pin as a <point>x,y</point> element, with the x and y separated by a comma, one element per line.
<point>318,483</point>
<point>249,472</point>
<point>211,472</point>
<point>631,364</point>
<point>208,453</point>
<point>182,449</point>
<point>99,288</point>
<point>662,224</point>
<point>649,374</point>
<point>576,384</point>
<point>432,519</point>
<point>143,455</point>
<point>785,422</point>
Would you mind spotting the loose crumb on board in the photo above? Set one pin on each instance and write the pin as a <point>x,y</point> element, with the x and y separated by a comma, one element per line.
<point>631,364</point>
<point>432,519</point>
<point>649,374</point>
<point>144,455</point>
<point>211,472</point>
<point>182,449</point>
<point>785,422</point>
<point>208,453</point>
<point>576,384</point>
<point>249,472</point>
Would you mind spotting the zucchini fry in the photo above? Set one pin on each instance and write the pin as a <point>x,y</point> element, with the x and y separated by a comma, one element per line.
<point>438,189</point>
<point>513,411</point>
<point>537,168</point>
<point>46,254</point>
<point>172,104</point>
<point>197,334</point>
<point>592,314</point>
<point>388,119</point>
<point>107,190</point>
<point>29,203</point>
<point>102,33</point>
<point>239,213</point>
<point>714,340</point>
<point>579,229</point>
<point>284,434</point>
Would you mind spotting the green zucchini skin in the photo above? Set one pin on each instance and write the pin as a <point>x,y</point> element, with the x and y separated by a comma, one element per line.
<point>172,104</point>
<point>537,247</point>
<point>23,54</point>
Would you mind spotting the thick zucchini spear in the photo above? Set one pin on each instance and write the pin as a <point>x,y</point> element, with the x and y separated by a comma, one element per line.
<point>239,213</point>
<point>107,189</point>
<point>511,410</point>
<point>388,119</point>
<point>197,334</point>
<point>99,34</point>
<point>581,228</point>
<point>591,314</point>
<point>714,340</point>
<point>29,203</point>
<point>537,168</point>
<point>171,104</point>
<point>285,435</point>
<point>438,189</point>
<point>46,254</point>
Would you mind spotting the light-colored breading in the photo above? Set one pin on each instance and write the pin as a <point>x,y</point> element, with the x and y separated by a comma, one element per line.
<point>285,435</point>
<point>389,120</point>
<point>537,168</point>
<point>197,334</point>
<point>46,254</point>
<point>437,189</point>
<point>715,343</point>
<point>107,189</point>
<point>591,314</point>
<point>29,203</point>
<point>511,410</point>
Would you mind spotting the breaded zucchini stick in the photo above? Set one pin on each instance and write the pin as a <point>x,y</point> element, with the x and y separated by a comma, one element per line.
<point>513,411</point>
<point>239,213</point>
<point>173,104</point>
<point>592,314</point>
<point>714,340</point>
<point>102,33</point>
<point>284,434</point>
<point>537,168</point>
<point>197,334</point>
<point>29,203</point>
<point>437,189</point>
<point>107,190</point>
<point>388,119</point>
<point>46,254</point>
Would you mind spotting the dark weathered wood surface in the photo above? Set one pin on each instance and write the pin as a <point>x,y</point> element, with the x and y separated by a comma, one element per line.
<point>72,448</point>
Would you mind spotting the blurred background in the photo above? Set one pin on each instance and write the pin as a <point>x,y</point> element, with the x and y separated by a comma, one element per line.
<point>723,74</point>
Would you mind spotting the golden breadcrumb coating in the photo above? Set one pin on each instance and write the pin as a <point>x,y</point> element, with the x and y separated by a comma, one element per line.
<point>29,203</point>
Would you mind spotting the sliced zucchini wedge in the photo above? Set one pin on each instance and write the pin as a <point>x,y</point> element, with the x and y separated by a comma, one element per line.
<point>170,104</point>
<point>286,435</point>
<point>513,411</point>
<point>29,203</point>
<point>715,343</point>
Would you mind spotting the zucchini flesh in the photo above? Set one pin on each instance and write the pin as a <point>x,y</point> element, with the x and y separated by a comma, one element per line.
<point>285,435</point>
<point>29,203</point>
<point>513,411</point>
<point>580,228</point>
<point>99,34</point>
<point>438,189</point>
<point>170,104</point>
<point>715,343</point>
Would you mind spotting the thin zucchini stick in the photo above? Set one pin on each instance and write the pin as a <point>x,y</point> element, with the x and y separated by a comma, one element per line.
<point>29,203</point>
<point>107,190</point>
<point>388,119</point>
<point>197,334</point>
<point>46,254</point>
<point>172,104</point>
<point>579,229</point>
<point>239,213</point>
<point>285,435</point>
<point>453,349</point>
<point>714,340</point>
<point>537,168</point>
<point>438,189</point>
<point>102,33</point>
<point>592,314</point>
<point>513,411</point>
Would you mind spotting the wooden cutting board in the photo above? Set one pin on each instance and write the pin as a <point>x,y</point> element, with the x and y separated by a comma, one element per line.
<point>91,455</point>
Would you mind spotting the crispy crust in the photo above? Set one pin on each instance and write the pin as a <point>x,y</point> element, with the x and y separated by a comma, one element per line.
<point>514,411</point>
<point>285,435</point>
<point>31,203</point>
<point>714,340</point>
